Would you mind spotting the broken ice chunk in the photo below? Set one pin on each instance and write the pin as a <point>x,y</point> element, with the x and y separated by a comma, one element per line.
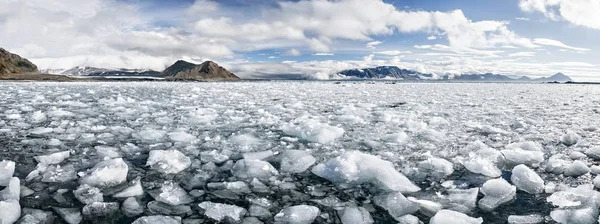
<point>593,152</point>
<point>132,207</point>
<point>585,215</point>
<point>482,166</point>
<point>525,219</point>
<point>396,204</point>
<point>519,156</point>
<point>59,174</point>
<point>70,215</point>
<point>428,208</point>
<point>87,194</point>
<point>54,158</point>
<point>108,173</point>
<point>246,168</point>
<point>570,138</point>
<point>7,170</point>
<point>157,219</point>
<point>181,137</point>
<point>172,194</point>
<point>355,215</point>
<point>132,191</point>
<point>577,168</point>
<point>313,131</point>
<point>12,191</point>
<point>168,161</point>
<point>100,209</point>
<point>10,211</point>
<point>462,200</point>
<point>355,168</point>
<point>527,180</point>
<point>299,214</point>
<point>223,212</point>
<point>436,167</point>
<point>497,192</point>
<point>296,161</point>
<point>452,217</point>
<point>150,135</point>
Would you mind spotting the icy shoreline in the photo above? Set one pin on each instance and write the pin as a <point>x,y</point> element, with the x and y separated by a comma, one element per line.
<point>275,152</point>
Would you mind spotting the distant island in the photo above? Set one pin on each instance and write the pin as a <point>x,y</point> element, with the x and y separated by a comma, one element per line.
<point>14,67</point>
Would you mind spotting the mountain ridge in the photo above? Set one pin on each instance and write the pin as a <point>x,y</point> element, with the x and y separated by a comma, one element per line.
<point>208,70</point>
<point>12,63</point>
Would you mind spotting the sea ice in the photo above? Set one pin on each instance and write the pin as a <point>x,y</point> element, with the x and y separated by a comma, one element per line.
<point>168,161</point>
<point>313,131</point>
<point>585,215</point>
<point>355,168</point>
<point>181,137</point>
<point>355,215</point>
<point>570,138</point>
<point>10,211</point>
<point>497,192</point>
<point>436,167</point>
<point>108,173</point>
<point>12,191</point>
<point>299,214</point>
<point>428,208</point>
<point>247,168</point>
<point>87,194</point>
<point>296,161</point>
<point>527,180</point>
<point>134,190</point>
<point>100,209</point>
<point>452,217</point>
<point>150,135</point>
<point>577,168</point>
<point>70,215</point>
<point>59,174</point>
<point>525,219</point>
<point>462,200</point>
<point>223,212</point>
<point>7,170</point>
<point>156,219</point>
<point>131,207</point>
<point>593,152</point>
<point>396,204</point>
<point>519,156</point>
<point>54,158</point>
<point>171,193</point>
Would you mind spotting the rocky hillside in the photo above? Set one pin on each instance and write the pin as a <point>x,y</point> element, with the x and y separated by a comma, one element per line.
<point>11,63</point>
<point>183,70</point>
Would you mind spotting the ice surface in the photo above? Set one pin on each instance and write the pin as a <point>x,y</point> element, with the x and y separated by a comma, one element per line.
<point>69,215</point>
<point>525,219</point>
<point>12,191</point>
<point>58,174</point>
<point>428,208</point>
<point>248,168</point>
<point>181,137</point>
<point>353,168</point>
<point>313,130</point>
<point>527,180</point>
<point>10,211</point>
<point>168,161</point>
<point>100,209</point>
<point>7,169</point>
<point>570,138</point>
<point>157,219</point>
<point>593,152</point>
<point>54,158</point>
<point>107,173</point>
<point>296,161</point>
<point>462,200</point>
<point>396,204</point>
<point>355,215</point>
<point>87,194</point>
<point>518,156</point>
<point>134,190</point>
<point>577,168</point>
<point>436,167</point>
<point>131,207</point>
<point>452,217</point>
<point>299,214</point>
<point>497,192</point>
<point>171,193</point>
<point>223,212</point>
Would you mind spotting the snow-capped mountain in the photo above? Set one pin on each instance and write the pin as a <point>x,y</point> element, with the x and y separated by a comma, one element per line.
<point>385,72</point>
<point>93,71</point>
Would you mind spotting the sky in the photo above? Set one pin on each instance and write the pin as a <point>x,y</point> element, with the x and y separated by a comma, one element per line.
<point>310,38</point>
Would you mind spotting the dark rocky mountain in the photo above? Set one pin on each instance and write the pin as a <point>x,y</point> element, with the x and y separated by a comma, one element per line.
<point>183,70</point>
<point>93,71</point>
<point>382,72</point>
<point>11,63</point>
<point>558,77</point>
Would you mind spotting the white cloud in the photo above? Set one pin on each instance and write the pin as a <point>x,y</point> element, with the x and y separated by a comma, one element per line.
<point>522,18</point>
<point>372,44</point>
<point>293,52</point>
<point>523,54</point>
<point>431,37</point>
<point>323,54</point>
<point>579,12</point>
<point>392,53</point>
<point>556,43</point>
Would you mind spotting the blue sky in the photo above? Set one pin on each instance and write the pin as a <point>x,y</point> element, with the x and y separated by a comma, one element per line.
<point>311,38</point>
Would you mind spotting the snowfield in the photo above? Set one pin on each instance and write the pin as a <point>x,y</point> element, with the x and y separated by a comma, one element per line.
<point>299,152</point>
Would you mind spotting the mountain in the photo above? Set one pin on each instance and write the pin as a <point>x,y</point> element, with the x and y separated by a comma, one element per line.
<point>93,71</point>
<point>487,77</point>
<point>183,70</point>
<point>383,72</point>
<point>558,77</point>
<point>11,63</point>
